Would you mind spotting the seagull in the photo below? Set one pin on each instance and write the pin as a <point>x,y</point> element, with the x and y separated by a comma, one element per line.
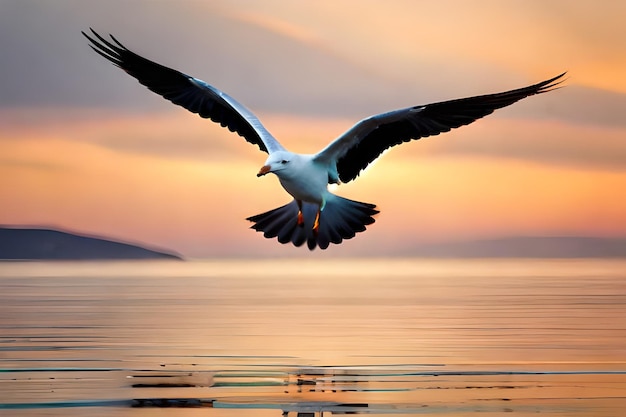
<point>315,216</point>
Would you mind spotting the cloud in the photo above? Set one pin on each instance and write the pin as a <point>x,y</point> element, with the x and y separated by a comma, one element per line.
<point>177,134</point>
<point>28,164</point>
<point>274,24</point>
<point>274,59</point>
<point>268,62</point>
<point>49,63</point>
<point>537,132</point>
<point>584,147</point>
<point>582,105</point>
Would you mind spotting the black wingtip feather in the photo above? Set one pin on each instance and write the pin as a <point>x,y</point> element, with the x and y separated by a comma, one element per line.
<point>552,84</point>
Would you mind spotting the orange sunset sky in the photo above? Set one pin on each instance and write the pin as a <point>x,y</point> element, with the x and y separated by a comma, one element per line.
<point>85,148</point>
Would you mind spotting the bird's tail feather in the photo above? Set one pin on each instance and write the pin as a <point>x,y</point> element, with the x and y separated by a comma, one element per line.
<point>341,219</point>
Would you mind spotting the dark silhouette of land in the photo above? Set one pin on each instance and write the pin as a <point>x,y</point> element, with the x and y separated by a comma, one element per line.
<point>527,247</point>
<point>48,244</point>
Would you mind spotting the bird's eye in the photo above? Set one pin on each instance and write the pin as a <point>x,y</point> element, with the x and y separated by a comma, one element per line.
<point>284,161</point>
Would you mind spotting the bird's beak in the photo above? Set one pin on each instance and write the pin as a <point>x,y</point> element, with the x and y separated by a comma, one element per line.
<point>264,170</point>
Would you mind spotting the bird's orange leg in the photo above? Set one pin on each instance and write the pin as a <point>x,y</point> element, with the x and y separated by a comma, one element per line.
<point>316,223</point>
<point>300,216</point>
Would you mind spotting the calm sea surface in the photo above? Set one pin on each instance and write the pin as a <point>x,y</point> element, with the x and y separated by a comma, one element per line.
<point>311,337</point>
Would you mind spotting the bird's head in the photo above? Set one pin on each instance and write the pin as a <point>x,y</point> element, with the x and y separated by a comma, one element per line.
<point>276,162</point>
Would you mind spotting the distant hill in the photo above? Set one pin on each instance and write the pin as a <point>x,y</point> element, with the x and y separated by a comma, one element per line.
<point>527,247</point>
<point>47,244</point>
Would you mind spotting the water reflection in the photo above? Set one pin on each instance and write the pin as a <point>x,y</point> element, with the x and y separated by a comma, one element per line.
<point>341,337</point>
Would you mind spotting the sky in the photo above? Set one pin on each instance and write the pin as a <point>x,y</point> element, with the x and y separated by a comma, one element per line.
<point>85,148</point>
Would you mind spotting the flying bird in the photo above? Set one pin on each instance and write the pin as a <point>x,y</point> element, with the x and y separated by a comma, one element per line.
<point>315,216</point>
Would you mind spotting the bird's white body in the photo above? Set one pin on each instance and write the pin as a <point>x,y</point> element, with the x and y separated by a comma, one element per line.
<point>301,175</point>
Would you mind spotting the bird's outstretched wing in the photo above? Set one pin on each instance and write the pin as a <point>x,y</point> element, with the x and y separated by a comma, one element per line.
<point>191,93</point>
<point>365,141</point>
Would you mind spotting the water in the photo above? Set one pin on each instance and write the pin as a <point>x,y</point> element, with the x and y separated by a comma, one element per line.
<point>241,337</point>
